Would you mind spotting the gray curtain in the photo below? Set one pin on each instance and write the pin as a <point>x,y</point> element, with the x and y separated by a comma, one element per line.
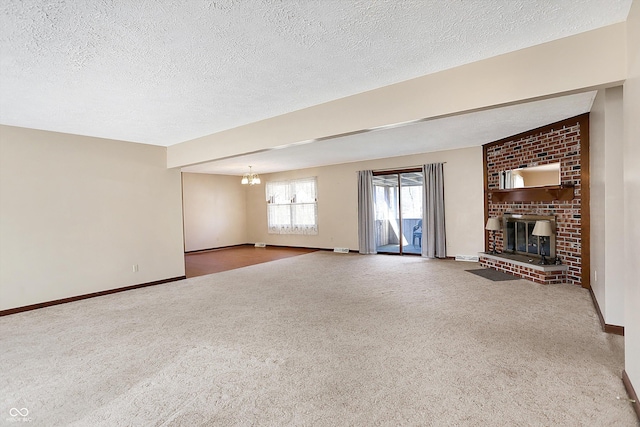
<point>433,230</point>
<point>366,214</point>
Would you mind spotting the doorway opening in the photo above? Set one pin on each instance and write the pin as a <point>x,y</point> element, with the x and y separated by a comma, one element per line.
<point>398,200</point>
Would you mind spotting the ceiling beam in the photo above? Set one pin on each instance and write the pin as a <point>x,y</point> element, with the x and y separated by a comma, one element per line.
<point>589,60</point>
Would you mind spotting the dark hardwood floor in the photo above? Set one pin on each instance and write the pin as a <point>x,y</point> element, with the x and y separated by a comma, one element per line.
<point>216,260</point>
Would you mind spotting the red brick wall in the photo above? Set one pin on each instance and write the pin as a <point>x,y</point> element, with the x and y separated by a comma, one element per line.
<point>549,146</point>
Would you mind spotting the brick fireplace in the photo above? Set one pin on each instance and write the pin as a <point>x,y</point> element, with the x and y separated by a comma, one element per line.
<point>565,142</point>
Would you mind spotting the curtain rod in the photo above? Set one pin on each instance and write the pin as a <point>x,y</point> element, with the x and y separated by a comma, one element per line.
<point>401,169</point>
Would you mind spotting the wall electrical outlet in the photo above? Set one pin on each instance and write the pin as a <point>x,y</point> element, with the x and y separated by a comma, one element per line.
<point>341,250</point>
<point>135,268</point>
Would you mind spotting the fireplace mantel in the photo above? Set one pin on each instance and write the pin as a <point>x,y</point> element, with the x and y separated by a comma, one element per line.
<point>534,194</point>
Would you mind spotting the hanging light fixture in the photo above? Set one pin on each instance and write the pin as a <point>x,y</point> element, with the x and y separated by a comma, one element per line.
<point>250,178</point>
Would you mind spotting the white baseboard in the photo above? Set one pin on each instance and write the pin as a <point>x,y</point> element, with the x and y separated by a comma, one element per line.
<point>469,258</point>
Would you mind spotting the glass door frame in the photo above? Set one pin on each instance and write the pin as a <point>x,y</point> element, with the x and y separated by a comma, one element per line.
<point>399,172</point>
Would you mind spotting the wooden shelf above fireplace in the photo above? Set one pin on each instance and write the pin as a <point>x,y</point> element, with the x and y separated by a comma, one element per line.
<point>533,194</point>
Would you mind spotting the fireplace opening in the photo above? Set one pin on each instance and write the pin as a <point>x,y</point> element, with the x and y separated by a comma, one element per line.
<point>518,237</point>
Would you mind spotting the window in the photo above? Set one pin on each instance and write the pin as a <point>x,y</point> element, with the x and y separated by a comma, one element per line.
<point>292,207</point>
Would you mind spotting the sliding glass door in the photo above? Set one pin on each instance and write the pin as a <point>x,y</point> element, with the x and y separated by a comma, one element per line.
<point>398,205</point>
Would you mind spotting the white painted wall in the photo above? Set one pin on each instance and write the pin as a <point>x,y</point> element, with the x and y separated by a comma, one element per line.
<point>632,197</point>
<point>607,204</point>
<point>338,201</point>
<point>614,209</point>
<point>76,213</point>
<point>214,209</point>
<point>598,191</point>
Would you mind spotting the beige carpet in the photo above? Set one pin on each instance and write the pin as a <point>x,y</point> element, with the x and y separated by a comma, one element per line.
<point>320,340</point>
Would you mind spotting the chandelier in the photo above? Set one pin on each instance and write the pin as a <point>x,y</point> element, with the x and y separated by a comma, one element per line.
<point>250,178</point>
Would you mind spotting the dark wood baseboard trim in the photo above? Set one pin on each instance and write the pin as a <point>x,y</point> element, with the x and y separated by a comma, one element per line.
<point>307,247</point>
<point>631,392</point>
<point>220,248</point>
<point>268,246</point>
<point>353,251</point>
<point>85,296</point>
<point>313,249</point>
<point>610,329</point>
<point>597,307</point>
<point>297,247</point>
<point>614,329</point>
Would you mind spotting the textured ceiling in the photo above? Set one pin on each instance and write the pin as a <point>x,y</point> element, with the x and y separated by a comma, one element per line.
<point>165,71</point>
<point>460,131</point>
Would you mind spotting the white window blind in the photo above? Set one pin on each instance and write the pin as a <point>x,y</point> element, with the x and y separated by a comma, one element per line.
<point>292,206</point>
